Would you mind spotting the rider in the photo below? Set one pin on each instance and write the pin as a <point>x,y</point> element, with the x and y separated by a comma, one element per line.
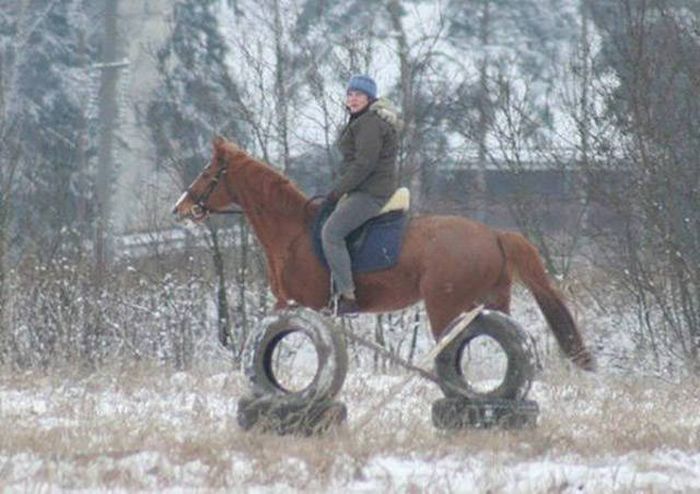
<point>368,177</point>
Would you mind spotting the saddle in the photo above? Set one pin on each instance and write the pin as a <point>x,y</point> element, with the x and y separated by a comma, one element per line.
<point>376,244</point>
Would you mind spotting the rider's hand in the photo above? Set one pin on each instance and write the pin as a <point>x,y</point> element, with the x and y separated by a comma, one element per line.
<point>332,197</point>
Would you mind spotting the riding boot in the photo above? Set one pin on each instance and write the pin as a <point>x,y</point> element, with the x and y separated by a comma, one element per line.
<point>347,306</point>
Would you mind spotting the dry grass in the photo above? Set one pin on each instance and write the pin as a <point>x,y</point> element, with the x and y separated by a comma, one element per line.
<point>151,428</point>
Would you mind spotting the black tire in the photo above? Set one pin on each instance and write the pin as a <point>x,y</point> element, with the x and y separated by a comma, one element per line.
<point>508,334</point>
<point>460,413</point>
<point>284,416</point>
<point>330,349</point>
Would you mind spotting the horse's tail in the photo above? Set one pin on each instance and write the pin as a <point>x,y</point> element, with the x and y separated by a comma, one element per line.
<point>525,263</point>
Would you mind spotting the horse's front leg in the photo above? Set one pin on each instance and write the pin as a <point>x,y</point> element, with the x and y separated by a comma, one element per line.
<point>282,304</point>
<point>274,276</point>
<point>273,280</point>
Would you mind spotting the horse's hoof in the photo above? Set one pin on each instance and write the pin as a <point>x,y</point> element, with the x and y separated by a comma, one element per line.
<point>347,307</point>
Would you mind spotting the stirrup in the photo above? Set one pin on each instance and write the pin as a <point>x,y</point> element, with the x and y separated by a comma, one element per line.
<point>331,310</point>
<point>347,307</point>
<point>334,303</point>
<point>335,308</point>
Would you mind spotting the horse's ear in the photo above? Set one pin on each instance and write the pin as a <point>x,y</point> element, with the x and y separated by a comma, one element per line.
<point>218,142</point>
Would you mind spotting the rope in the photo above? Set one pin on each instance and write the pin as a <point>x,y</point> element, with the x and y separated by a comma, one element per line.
<point>430,376</point>
<point>451,332</point>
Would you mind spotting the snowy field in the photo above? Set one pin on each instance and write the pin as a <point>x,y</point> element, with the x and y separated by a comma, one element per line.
<point>147,428</point>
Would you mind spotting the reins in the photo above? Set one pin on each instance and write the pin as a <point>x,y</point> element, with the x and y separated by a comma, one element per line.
<point>308,204</point>
<point>201,200</point>
<point>200,207</point>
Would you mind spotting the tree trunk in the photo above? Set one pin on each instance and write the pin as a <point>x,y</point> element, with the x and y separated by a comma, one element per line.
<point>584,121</point>
<point>282,109</point>
<point>108,115</point>
<point>483,108</point>
<point>410,163</point>
<point>223,320</point>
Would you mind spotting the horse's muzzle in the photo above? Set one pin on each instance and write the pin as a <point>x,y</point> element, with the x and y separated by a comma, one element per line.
<point>179,212</point>
<point>195,213</point>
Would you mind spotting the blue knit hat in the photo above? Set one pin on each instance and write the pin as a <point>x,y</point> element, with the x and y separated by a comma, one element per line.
<point>365,84</point>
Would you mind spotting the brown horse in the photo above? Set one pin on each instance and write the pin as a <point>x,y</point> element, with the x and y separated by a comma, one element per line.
<point>450,262</point>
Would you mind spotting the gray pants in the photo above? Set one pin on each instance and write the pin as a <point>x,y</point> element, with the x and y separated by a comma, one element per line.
<point>351,212</point>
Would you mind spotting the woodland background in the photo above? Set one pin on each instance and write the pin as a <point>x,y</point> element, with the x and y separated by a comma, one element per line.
<point>572,121</point>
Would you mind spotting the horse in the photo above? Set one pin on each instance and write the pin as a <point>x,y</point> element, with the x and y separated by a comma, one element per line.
<point>451,263</point>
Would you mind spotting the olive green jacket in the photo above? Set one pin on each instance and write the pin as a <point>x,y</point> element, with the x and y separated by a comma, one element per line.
<point>369,144</point>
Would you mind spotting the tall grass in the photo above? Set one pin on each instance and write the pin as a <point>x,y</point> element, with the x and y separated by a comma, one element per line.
<point>151,427</point>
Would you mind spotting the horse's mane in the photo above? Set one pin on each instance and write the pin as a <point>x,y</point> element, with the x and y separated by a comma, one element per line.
<point>273,187</point>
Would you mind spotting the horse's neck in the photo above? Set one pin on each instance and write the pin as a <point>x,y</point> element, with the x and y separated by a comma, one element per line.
<point>275,211</point>
<point>275,229</point>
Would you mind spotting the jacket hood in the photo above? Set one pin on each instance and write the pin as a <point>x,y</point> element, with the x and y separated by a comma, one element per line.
<point>387,112</point>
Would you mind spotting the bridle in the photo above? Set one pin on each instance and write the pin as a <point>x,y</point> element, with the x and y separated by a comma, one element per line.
<point>200,208</point>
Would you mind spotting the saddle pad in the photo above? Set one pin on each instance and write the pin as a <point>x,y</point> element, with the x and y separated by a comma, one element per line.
<point>373,246</point>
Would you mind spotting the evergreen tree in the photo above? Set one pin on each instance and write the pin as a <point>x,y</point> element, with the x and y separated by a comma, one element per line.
<point>525,42</point>
<point>197,98</point>
<point>48,103</point>
<point>530,36</point>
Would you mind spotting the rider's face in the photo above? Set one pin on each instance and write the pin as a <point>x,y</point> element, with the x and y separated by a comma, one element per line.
<point>356,101</point>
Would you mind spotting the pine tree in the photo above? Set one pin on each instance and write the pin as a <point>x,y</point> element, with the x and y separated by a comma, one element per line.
<point>47,102</point>
<point>197,98</point>
<point>510,43</point>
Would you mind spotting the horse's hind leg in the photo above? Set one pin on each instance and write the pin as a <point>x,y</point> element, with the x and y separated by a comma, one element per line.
<point>499,298</point>
<point>443,306</point>
<point>439,317</point>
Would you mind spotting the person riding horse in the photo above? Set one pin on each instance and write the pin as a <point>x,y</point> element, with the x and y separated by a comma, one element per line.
<point>449,262</point>
<point>369,146</point>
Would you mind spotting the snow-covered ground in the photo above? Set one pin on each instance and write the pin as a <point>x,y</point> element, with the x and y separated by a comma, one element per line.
<point>149,428</point>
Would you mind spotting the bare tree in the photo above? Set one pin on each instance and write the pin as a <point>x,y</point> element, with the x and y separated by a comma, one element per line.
<point>282,87</point>
<point>483,106</point>
<point>652,181</point>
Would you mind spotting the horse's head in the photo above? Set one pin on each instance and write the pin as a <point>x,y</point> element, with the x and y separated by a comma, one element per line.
<point>210,192</point>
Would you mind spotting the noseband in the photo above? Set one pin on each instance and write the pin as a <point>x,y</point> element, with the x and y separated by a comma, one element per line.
<point>200,207</point>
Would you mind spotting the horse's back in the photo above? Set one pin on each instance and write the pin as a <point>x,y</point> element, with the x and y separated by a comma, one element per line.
<point>450,228</point>
<point>450,240</point>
